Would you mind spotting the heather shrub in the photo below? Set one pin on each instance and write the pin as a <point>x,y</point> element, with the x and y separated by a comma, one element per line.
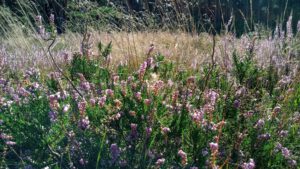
<point>158,116</point>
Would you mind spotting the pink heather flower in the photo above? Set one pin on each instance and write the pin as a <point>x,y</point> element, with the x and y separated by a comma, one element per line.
<point>157,86</point>
<point>197,116</point>
<point>183,157</point>
<point>266,136</point>
<point>260,123</point>
<point>277,109</point>
<point>138,96</point>
<point>82,106</point>
<point>114,152</point>
<point>292,163</point>
<point>2,81</point>
<point>278,147</point>
<point>285,152</point>
<point>133,127</point>
<point>240,92</point>
<point>116,79</point>
<point>208,108</point>
<point>142,70</point>
<point>150,62</point>
<point>130,79</point>
<point>38,19</point>
<point>117,116</point>
<point>175,97</point>
<point>23,92</point>
<point>147,102</point>
<point>236,104</point>
<point>132,113</point>
<point>160,161</point>
<point>204,152</point>
<point>102,101</point>
<point>53,116</point>
<point>5,136</point>
<point>35,85</point>
<point>109,92</point>
<point>214,147</point>
<point>81,161</point>
<point>191,80</point>
<point>211,97</point>
<point>249,165</point>
<point>84,123</point>
<point>123,83</point>
<point>248,114</point>
<point>182,154</point>
<point>165,130</point>
<point>93,102</point>
<point>10,143</point>
<point>41,30</point>
<point>65,56</point>
<point>170,83</point>
<point>194,168</point>
<point>117,103</point>
<point>148,131</point>
<point>283,133</point>
<point>66,108</point>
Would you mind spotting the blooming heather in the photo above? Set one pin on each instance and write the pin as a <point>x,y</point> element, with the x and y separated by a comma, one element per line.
<point>183,157</point>
<point>147,102</point>
<point>138,96</point>
<point>285,152</point>
<point>109,92</point>
<point>10,143</point>
<point>165,130</point>
<point>133,133</point>
<point>84,123</point>
<point>148,132</point>
<point>157,86</point>
<point>260,123</point>
<point>197,116</point>
<point>249,165</point>
<point>114,152</point>
<point>213,147</point>
<point>102,101</point>
<point>82,107</point>
<point>292,163</point>
<point>160,161</point>
<point>53,116</point>
<point>142,70</point>
<point>211,97</point>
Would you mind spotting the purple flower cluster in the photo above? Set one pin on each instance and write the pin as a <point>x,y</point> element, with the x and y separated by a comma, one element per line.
<point>249,165</point>
<point>197,116</point>
<point>53,116</point>
<point>84,123</point>
<point>114,152</point>
<point>214,147</point>
<point>133,133</point>
<point>142,70</point>
<point>183,157</point>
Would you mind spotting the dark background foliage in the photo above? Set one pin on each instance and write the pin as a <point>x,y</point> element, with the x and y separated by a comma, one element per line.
<point>199,15</point>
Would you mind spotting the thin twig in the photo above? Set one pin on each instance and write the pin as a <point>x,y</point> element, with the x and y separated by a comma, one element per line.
<point>57,67</point>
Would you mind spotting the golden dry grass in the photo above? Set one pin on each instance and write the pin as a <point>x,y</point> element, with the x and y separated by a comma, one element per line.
<point>187,50</point>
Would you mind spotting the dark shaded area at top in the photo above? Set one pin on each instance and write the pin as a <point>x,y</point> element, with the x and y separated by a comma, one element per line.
<point>204,12</point>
